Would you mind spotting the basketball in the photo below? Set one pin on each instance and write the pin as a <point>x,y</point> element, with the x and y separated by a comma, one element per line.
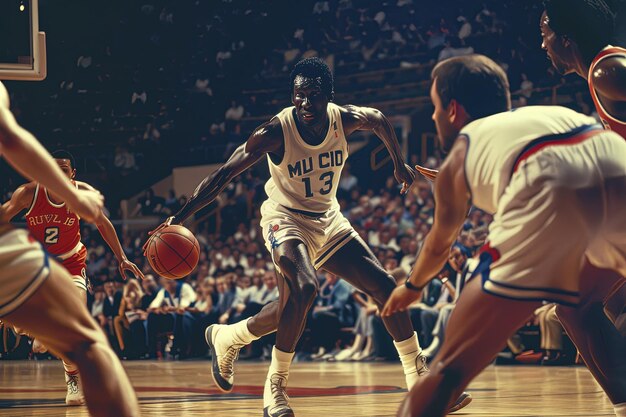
<point>173,252</point>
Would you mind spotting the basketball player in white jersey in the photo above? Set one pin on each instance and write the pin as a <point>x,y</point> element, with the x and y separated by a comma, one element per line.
<point>37,294</point>
<point>556,184</point>
<point>304,229</point>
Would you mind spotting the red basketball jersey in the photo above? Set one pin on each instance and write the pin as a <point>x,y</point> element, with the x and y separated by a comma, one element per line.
<point>609,121</point>
<point>54,225</point>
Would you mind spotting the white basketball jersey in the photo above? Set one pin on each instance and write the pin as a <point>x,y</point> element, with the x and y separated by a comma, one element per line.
<point>308,176</point>
<point>495,143</point>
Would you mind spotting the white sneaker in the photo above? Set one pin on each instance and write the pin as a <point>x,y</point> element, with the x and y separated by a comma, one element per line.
<point>279,400</point>
<point>74,392</point>
<point>420,364</point>
<point>344,355</point>
<point>223,357</point>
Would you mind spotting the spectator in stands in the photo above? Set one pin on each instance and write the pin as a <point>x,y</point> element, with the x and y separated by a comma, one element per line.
<point>347,182</point>
<point>149,204</point>
<point>456,274</point>
<point>454,48</point>
<point>225,298</point>
<point>127,314</point>
<point>551,344</point>
<point>171,204</point>
<point>124,160</point>
<point>233,114</point>
<point>98,305</point>
<point>170,301</point>
<point>110,308</point>
<point>332,312</point>
<point>363,344</point>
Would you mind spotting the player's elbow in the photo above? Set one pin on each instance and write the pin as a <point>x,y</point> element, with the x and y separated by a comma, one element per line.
<point>377,118</point>
<point>440,245</point>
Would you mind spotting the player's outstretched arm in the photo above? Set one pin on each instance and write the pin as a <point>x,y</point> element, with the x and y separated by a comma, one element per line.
<point>20,200</point>
<point>366,118</point>
<point>30,159</point>
<point>106,229</point>
<point>265,139</point>
<point>452,202</point>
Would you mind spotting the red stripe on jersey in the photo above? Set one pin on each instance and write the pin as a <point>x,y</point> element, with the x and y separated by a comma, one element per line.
<point>609,121</point>
<point>557,142</point>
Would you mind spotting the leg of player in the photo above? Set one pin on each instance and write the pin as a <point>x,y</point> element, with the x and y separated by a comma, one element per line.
<point>297,292</point>
<point>599,342</point>
<point>225,341</point>
<point>366,274</point>
<point>477,330</point>
<point>56,315</point>
<point>74,395</point>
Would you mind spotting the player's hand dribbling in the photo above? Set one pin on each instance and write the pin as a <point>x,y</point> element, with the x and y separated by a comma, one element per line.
<point>163,225</point>
<point>405,175</point>
<point>127,265</point>
<point>401,298</point>
<point>429,174</point>
<point>87,204</point>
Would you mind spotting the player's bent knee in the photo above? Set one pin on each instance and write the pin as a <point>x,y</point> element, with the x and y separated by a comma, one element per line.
<point>304,294</point>
<point>384,287</point>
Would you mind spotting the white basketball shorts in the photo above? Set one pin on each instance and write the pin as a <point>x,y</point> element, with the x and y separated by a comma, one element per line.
<point>563,204</point>
<point>24,266</point>
<point>323,235</point>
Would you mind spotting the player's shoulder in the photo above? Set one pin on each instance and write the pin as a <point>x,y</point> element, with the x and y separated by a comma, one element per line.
<point>351,114</point>
<point>267,137</point>
<point>27,189</point>
<point>24,194</point>
<point>609,76</point>
<point>349,110</point>
<point>271,129</point>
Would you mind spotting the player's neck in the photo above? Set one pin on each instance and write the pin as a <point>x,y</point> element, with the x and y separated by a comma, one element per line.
<point>580,66</point>
<point>314,134</point>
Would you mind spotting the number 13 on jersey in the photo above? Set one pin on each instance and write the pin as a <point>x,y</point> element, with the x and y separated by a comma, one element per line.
<point>326,178</point>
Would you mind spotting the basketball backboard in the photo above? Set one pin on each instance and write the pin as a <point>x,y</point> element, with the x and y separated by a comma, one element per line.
<point>22,45</point>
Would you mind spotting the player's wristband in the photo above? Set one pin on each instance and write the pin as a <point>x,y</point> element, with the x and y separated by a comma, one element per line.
<point>412,287</point>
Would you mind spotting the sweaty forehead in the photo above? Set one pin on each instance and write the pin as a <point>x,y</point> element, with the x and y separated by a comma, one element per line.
<point>301,82</point>
<point>64,162</point>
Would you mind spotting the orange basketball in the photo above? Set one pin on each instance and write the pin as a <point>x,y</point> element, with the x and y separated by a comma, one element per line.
<point>173,252</point>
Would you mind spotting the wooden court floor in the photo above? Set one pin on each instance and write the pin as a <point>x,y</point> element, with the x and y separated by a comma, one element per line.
<point>181,389</point>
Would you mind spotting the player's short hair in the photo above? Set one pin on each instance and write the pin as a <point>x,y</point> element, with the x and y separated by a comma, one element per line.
<point>63,154</point>
<point>589,23</point>
<point>475,82</point>
<point>314,68</point>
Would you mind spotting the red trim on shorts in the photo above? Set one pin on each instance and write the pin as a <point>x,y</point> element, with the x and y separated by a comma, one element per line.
<point>569,141</point>
<point>495,253</point>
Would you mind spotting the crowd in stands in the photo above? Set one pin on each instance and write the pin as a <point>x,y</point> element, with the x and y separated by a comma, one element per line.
<point>190,80</point>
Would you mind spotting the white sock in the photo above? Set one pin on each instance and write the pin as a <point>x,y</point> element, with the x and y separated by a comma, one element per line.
<point>620,409</point>
<point>70,368</point>
<point>238,333</point>
<point>409,350</point>
<point>281,361</point>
